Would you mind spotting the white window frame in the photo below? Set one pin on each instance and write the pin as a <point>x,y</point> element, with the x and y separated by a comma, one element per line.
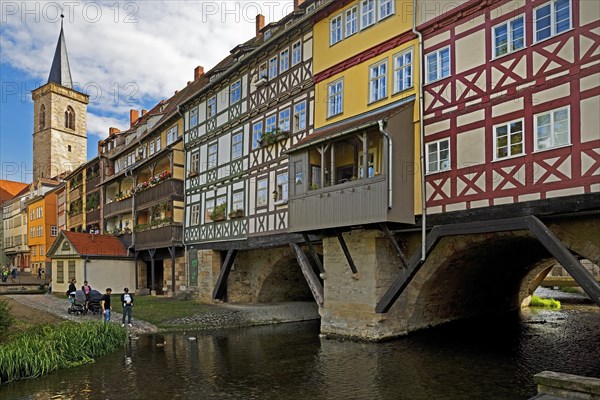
<point>552,129</point>
<point>510,133</point>
<point>273,67</point>
<point>195,215</point>
<point>209,205</point>
<point>388,6</point>
<point>212,158</point>
<point>172,135</point>
<point>300,116</point>
<point>284,120</point>
<point>193,115</point>
<point>553,22</point>
<point>211,107</point>
<point>282,188</point>
<point>403,69</point>
<point>235,92</point>
<point>151,147</point>
<point>54,230</point>
<point>195,161</point>
<point>510,39</point>
<point>263,71</point>
<point>439,73</point>
<point>271,123</point>
<point>351,22</point>
<point>335,98</point>
<point>237,201</point>
<point>378,81</point>
<point>297,53</point>
<point>262,192</point>
<point>284,60</point>
<point>158,144</point>
<point>336,30</point>
<point>257,134</point>
<point>368,17</point>
<point>237,145</point>
<point>442,165</point>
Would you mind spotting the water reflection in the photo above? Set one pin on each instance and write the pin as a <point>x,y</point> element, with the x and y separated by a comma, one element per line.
<point>492,359</point>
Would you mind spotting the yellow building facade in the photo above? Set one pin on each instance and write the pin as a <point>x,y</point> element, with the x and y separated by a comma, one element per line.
<point>42,228</point>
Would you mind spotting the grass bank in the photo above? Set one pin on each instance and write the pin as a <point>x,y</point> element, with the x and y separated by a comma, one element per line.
<point>545,303</point>
<point>46,348</point>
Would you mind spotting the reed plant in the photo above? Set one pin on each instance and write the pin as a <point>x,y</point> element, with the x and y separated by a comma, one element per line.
<point>6,319</point>
<point>46,348</point>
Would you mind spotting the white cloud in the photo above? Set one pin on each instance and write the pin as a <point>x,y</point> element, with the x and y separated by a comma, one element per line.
<point>132,58</point>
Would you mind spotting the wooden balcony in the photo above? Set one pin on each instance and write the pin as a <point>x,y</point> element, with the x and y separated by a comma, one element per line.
<point>163,191</point>
<point>92,216</point>
<point>75,220</point>
<point>117,207</point>
<point>164,236</point>
<point>75,193</point>
<point>90,185</point>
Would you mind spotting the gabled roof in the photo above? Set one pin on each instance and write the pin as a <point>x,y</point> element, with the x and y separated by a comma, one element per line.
<point>60,72</point>
<point>88,245</point>
<point>9,189</point>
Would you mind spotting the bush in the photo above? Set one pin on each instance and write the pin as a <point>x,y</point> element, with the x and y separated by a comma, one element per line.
<point>46,348</point>
<point>546,303</point>
<point>6,319</point>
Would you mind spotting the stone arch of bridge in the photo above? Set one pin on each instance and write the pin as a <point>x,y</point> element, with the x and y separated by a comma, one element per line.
<point>285,282</point>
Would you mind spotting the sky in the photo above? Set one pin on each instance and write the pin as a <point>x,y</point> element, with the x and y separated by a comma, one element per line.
<point>123,54</point>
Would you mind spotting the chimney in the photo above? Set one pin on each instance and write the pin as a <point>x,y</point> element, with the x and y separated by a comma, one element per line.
<point>133,117</point>
<point>297,4</point>
<point>144,112</point>
<point>260,23</point>
<point>198,72</point>
<point>112,131</point>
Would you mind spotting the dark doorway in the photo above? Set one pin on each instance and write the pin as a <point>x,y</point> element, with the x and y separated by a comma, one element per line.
<point>159,273</point>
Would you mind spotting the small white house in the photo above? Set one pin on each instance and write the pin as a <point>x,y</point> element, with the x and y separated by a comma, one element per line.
<point>101,260</point>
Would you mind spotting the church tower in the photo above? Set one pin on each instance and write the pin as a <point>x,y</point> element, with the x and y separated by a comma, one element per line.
<point>59,120</point>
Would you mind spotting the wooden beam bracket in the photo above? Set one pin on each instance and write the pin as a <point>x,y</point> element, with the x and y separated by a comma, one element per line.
<point>219,290</point>
<point>346,252</point>
<point>394,244</point>
<point>313,253</point>
<point>309,274</point>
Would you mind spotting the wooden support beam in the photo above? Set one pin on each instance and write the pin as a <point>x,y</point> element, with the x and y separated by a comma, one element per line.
<point>346,252</point>
<point>395,244</point>
<point>172,253</point>
<point>565,258</point>
<point>313,253</point>
<point>309,274</point>
<point>219,290</point>
<point>531,223</point>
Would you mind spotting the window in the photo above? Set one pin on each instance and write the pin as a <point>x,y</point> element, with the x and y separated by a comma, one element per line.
<point>53,230</point>
<point>551,19</point>
<point>335,30</point>
<point>262,71</point>
<point>236,92</point>
<point>273,68</point>
<point>60,272</point>
<point>193,117</point>
<point>71,270</point>
<point>195,215</point>
<point>32,215</point>
<point>237,201</point>
<point>195,162</point>
<point>42,117</point>
<point>38,211</point>
<point>335,93</point>
<point>367,11</point>
<point>209,206</point>
<point>262,188</point>
<point>236,146</point>
<point>271,123</point>
<point>300,116</point>
<point>34,250</point>
<point>296,53</point>
<point>211,107</point>
<point>40,231</point>
<point>282,187</point>
<point>351,21</point>
<point>212,155</point>
<point>268,34</point>
<point>438,156</point>
<point>42,250</point>
<point>172,135</point>
<point>386,8</point>
<point>284,60</point>
<point>284,120</point>
<point>378,82</point>
<point>70,118</point>
<point>403,71</point>
<point>552,129</point>
<point>32,232</point>
<point>508,140</point>
<point>438,64</point>
<point>151,147</point>
<point>256,135</point>
<point>158,144</point>
<point>509,36</point>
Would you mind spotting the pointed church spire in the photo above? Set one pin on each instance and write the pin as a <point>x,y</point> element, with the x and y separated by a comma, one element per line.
<point>61,72</point>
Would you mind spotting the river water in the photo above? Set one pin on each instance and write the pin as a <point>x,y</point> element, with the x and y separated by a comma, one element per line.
<point>479,359</point>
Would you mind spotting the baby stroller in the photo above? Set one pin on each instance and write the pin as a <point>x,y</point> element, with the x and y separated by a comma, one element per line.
<point>77,302</point>
<point>94,305</point>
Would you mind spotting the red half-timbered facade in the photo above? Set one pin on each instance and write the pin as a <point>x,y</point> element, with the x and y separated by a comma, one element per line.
<point>511,103</point>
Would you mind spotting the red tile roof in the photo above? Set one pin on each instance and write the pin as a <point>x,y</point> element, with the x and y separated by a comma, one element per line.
<point>9,189</point>
<point>96,245</point>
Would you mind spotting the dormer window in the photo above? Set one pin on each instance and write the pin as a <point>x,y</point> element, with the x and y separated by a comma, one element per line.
<point>268,34</point>
<point>70,118</point>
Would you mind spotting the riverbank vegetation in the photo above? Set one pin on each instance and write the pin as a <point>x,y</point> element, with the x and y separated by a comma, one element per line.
<point>46,348</point>
<point>545,303</point>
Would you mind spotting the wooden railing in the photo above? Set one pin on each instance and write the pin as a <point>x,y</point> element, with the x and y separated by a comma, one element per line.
<point>163,236</point>
<point>117,207</point>
<point>162,191</point>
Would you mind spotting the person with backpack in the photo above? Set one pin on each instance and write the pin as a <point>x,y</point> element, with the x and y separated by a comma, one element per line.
<point>127,301</point>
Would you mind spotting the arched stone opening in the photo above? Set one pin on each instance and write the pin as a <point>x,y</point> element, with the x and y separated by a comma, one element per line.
<point>285,282</point>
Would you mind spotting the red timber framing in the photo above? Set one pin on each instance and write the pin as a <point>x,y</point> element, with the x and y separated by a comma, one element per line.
<point>557,72</point>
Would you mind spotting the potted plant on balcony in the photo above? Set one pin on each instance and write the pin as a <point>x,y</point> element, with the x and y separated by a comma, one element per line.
<point>273,136</point>
<point>218,213</point>
<point>239,213</point>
